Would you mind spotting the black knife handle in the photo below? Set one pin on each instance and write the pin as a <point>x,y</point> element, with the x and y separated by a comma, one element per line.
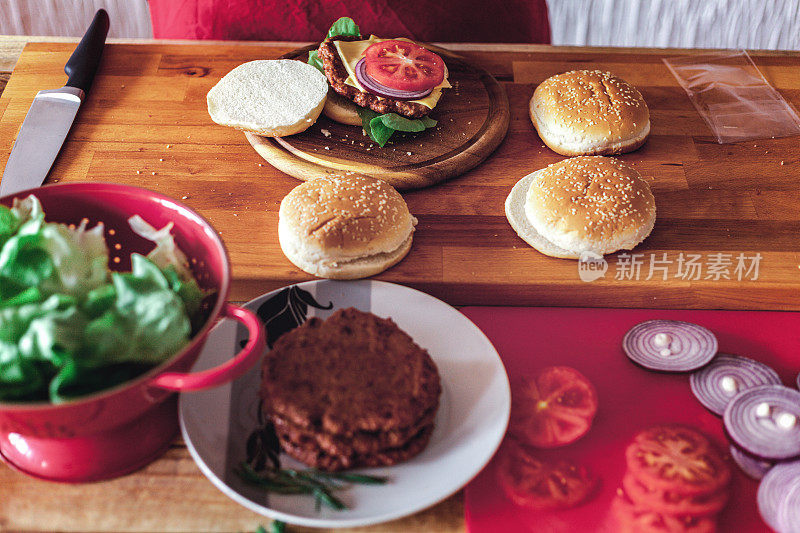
<point>83,62</point>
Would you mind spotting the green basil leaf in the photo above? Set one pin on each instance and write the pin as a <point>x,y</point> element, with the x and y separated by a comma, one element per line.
<point>428,122</point>
<point>379,131</point>
<point>344,26</point>
<point>375,128</point>
<point>315,61</point>
<point>396,122</point>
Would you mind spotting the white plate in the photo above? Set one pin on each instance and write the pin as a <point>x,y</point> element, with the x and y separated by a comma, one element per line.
<point>470,424</point>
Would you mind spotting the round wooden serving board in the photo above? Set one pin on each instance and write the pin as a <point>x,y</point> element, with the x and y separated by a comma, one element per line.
<point>473,120</point>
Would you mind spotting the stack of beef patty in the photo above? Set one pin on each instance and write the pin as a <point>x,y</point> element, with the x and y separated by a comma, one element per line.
<point>354,390</point>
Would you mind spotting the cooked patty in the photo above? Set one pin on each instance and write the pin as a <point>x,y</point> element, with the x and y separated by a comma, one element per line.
<point>309,453</point>
<point>337,74</point>
<point>353,372</point>
<point>357,443</point>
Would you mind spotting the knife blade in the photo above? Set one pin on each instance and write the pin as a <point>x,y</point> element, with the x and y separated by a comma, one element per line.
<point>52,113</point>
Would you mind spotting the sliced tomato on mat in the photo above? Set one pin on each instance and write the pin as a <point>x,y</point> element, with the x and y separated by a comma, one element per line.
<point>672,502</point>
<point>539,484</point>
<point>403,65</point>
<point>677,458</point>
<point>554,408</point>
<point>631,518</point>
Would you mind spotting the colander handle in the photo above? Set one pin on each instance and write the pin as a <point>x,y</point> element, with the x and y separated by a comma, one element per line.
<point>226,372</point>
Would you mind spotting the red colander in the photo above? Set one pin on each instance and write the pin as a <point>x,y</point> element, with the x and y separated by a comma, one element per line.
<point>121,429</point>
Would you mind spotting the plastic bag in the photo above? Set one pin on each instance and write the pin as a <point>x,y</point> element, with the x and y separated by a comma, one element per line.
<point>732,96</point>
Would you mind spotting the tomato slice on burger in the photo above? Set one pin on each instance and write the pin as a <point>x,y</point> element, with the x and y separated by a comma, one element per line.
<point>403,66</point>
<point>677,458</point>
<point>538,484</point>
<point>554,408</point>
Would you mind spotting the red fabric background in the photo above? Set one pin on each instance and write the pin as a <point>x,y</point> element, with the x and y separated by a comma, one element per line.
<point>522,21</point>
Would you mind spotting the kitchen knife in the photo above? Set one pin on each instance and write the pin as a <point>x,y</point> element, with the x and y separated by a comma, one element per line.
<point>51,115</point>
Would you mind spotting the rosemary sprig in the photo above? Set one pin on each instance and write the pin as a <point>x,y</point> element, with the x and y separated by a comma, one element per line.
<point>320,485</point>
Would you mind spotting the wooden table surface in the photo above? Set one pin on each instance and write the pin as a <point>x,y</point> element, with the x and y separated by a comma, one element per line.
<point>145,124</point>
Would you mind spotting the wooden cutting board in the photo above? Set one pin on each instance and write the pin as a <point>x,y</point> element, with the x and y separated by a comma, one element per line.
<point>145,123</point>
<point>473,119</point>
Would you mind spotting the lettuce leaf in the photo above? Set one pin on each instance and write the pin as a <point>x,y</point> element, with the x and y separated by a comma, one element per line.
<point>69,326</point>
<point>8,224</point>
<point>28,208</point>
<point>35,340</point>
<point>314,61</point>
<point>166,253</point>
<point>146,323</point>
<point>54,258</point>
<point>344,26</point>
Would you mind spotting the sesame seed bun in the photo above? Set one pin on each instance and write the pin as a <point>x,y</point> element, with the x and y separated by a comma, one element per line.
<point>583,204</point>
<point>589,112</point>
<point>272,98</point>
<point>340,109</point>
<point>344,227</point>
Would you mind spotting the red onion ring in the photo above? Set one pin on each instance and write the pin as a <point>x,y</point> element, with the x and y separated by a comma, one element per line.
<point>761,434</point>
<point>382,90</point>
<point>691,346</point>
<point>740,373</point>
<point>773,490</point>
<point>788,518</point>
<point>750,465</point>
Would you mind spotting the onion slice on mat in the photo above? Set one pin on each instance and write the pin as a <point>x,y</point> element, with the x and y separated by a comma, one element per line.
<point>789,511</point>
<point>773,494</point>
<point>382,90</point>
<point>750,464</point>
<point>725,376</point>
<point>765,421</point>
<point>669,345</point>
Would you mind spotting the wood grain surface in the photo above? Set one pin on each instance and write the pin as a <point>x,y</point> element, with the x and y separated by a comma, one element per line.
<point>145,123</point>
<point>473,119</point>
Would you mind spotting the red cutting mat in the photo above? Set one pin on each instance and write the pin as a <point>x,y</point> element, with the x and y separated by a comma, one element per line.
<point>630,399</point>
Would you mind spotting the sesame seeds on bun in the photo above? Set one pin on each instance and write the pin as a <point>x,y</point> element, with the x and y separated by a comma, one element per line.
<point>589,112</point>
<point>583,204</point>
<point>344,226</point>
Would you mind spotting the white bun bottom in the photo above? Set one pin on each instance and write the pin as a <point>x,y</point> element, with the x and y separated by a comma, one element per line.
<point>354,268</point>
<point>515,213</point>
<point>339,109</point>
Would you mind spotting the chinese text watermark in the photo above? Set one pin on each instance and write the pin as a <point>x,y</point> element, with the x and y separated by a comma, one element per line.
<point>714,266</point>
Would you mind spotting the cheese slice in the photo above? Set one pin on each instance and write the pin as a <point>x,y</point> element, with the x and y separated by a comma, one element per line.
<point>351,53</point>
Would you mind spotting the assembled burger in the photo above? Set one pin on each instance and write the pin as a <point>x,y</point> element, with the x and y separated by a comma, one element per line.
<point>385,85</point>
